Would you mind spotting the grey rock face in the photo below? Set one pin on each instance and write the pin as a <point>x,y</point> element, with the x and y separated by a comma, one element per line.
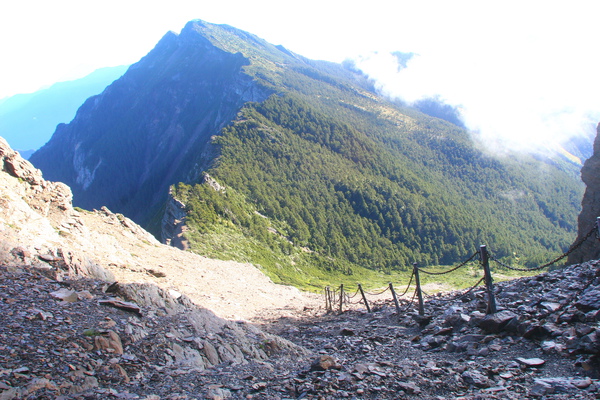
<point>173,223</point>
<point>495,323</point>
<point>590,207</point>
<point>17,166</point>
<point>51,199</point>
<point>589,301</point>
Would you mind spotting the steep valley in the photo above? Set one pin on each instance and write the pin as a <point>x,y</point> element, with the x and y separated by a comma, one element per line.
<point>264,173</point>
<point>320,176</point>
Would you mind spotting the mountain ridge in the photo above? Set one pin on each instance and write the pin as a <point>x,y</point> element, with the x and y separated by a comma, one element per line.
<point>37,114</point>
<point>334,167</point>
<point>175,165</point>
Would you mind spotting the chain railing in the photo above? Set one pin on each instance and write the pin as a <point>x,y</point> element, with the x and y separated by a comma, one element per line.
<point>458,296</point>
<point>574,247</point>
<point>409,282</point>
<point>338,296</point>
<point>379,293</point>
<point>348,297</point>
<point>452,269</point>
<point>410,303</point>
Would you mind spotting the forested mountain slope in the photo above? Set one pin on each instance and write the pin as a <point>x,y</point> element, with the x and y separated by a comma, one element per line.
<point>307,167</point>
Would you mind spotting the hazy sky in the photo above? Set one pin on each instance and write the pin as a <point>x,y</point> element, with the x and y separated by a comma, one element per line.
<point>521,72</point>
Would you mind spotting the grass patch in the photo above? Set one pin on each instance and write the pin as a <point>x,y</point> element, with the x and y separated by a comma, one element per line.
<point>304,269</point>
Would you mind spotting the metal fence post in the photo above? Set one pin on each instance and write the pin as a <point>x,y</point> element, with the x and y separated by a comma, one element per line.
<point>419,293</point>
<point>341,298</point>
<point>395,299</point>
<point>362,293</point>
<point>489,284</point>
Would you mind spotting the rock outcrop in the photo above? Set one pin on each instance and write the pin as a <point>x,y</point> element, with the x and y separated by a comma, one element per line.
<point>590,207</point>
<point>51,199</point>
<point>16,166</point>
<point>173,223</point>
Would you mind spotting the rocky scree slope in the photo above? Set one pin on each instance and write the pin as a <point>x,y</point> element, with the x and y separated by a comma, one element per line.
<point>543,343</point>
<point>68,325</point>
<point>87,339</point>
<point>75,338</point>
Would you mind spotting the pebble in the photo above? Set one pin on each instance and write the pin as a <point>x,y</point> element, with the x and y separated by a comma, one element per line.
<point>531,362</point>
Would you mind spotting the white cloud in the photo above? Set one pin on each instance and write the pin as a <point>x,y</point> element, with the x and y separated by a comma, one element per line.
<point>518,83</point>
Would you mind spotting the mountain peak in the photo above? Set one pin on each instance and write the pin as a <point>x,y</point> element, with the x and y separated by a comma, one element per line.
<point>164,110</point>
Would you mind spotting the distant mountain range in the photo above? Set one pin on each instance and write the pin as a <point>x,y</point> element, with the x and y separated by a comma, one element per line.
<point>27,121</point>
<point>299,166</point>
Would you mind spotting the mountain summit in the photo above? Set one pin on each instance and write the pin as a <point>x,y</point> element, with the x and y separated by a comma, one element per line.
<point>151,128</point>
<point>298,163</point>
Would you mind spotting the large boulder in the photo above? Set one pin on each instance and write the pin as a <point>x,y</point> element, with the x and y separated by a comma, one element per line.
<point>12,163</point>
<point>495,323</point>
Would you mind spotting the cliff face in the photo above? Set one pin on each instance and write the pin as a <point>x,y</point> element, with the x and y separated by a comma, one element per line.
<point>590,207</point>
<point>173,223</point>
<point>152,127</point>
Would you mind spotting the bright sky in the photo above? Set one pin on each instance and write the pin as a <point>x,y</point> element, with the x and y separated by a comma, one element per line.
<point>520,71</point>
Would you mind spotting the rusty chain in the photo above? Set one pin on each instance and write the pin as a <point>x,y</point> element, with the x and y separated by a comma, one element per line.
<point>354,295</point>
<point>460,296</point>
<point>380,293</point>
<point>557,259</point>
<point>409,282</point>
<point>452,269</point>
<point>407,306</point>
